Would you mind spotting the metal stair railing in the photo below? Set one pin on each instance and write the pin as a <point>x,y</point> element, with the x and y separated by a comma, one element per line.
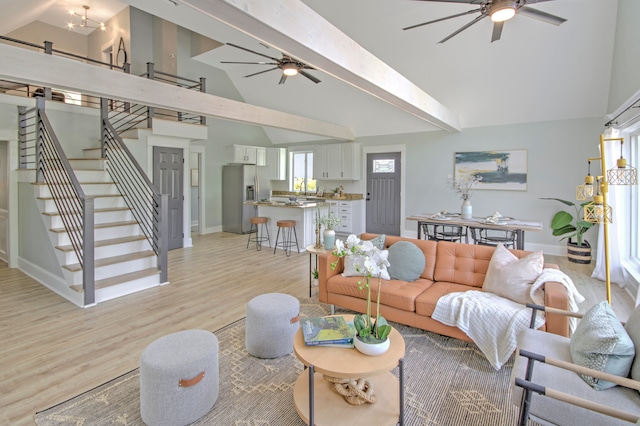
<point>148,206</point>
<point>75,208</point>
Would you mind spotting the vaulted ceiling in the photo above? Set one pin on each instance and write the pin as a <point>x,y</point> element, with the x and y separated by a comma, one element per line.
<point>536,72</point>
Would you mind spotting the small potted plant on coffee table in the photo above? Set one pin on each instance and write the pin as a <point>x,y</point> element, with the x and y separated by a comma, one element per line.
<point>372,334</point>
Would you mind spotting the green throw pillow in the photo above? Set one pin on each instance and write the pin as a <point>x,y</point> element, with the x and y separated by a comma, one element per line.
<point>633,328</point>
<point>407,261</point>
<point>600,342</point>
<point>379,241</point>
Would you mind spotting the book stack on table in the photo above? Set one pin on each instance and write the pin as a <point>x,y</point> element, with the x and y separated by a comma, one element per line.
<point>328,331</point>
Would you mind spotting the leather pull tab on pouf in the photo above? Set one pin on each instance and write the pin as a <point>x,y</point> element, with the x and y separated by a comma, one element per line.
<point>179,379</point>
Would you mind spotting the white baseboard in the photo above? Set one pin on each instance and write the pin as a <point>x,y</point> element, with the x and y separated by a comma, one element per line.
<point>212,229</point>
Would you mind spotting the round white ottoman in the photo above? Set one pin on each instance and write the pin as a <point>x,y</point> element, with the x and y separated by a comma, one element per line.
<point>272,321</point>
<point>179,378</point>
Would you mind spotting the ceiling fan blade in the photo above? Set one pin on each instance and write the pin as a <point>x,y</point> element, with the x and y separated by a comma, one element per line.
<point>540,15</point>
<point>443,19</point>
<point>478,19</point>
<point>283,78</point>
<point>497,31</point>
<point>261,72</point>
<point>249,63</point>
<point>310,77</point>
<point>252,51</point>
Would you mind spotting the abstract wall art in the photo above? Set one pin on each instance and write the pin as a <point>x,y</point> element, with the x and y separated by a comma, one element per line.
<point>504,170</point>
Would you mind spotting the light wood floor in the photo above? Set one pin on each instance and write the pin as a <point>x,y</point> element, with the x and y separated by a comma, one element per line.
<point>51,350</point>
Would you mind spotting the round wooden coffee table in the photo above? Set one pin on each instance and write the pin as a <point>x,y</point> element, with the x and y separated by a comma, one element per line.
<point>329,407</point>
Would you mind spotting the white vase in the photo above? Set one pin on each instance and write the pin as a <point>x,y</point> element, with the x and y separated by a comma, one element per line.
<point>371,349</point>
<point>466,209</point>
<point>329,239</point>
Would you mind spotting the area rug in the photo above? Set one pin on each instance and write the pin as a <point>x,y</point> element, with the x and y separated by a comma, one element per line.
<point>447,382</point>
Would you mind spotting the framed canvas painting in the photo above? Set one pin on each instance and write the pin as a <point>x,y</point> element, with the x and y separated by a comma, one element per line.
<point>505,170</point>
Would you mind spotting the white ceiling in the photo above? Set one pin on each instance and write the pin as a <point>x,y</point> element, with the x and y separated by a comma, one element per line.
<point>536,72</point>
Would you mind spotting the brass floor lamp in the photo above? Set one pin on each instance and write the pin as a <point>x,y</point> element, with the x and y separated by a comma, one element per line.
<point>598,211</point>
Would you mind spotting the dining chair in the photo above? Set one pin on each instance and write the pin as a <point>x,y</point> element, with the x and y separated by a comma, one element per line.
<point>491,237</point>
<point>442,232</point>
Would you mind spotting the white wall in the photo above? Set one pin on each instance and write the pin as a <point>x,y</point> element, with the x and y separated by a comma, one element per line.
<point>626,55</point>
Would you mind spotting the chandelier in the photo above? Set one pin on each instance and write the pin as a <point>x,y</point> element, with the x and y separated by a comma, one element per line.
<point>85,21</point>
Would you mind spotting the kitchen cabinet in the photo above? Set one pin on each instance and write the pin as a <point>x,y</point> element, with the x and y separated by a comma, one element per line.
<point>352,216</point>
<point>243,154</point>
<point>336,161</point>
<point>261,156</point>
<point>277,162</point>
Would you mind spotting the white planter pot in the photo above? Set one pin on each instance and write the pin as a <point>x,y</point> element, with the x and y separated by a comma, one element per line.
<point>371,349</point>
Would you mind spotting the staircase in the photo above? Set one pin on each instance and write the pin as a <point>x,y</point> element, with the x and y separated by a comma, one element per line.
<point>124,260</point>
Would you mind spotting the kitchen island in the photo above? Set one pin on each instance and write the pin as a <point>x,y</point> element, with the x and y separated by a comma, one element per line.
<point>304,213</point>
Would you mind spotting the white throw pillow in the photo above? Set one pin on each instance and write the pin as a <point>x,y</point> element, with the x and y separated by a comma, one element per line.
<point>510,277</point>
<point>353,262</point>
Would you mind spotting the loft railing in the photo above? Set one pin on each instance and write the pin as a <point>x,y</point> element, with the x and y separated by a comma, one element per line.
<point>124,116</point>
<point>75,209</point>
<point>148,206</point>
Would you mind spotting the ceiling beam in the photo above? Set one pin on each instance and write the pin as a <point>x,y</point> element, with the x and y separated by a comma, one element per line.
<point>293,28</point>
<point>37,68</point>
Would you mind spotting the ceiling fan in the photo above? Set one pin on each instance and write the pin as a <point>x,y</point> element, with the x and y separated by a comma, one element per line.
<point>499,11</point>
<point>287,64</point>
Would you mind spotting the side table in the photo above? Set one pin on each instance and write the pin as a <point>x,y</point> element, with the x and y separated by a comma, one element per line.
<point>318,403</point>
<point>311,249</point>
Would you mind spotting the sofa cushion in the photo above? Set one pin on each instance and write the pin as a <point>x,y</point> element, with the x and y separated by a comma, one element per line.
<point>379,241</point>
<point>510,277</point>
<point>600,342</point>
<point>633,328</point>
<point>395,293</point>
<point>426,302</point>
<point>428,249</point>
<point>406,261</point>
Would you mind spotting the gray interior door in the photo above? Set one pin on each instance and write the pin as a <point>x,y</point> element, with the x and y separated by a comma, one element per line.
<point>383,193</point>
<point>168,175</point>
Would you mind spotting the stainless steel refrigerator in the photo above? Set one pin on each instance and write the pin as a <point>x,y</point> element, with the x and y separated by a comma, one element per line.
<point>241,183</point>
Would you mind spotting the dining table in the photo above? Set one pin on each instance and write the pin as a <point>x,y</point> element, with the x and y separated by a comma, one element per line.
<point>490,222</point>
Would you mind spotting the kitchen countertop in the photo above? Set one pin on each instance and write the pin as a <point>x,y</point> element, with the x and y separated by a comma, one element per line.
<point>307,205</point>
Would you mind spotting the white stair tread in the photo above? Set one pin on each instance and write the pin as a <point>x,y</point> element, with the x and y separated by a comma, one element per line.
<point>91,196</point>
<point>103,210</point>
<point>113,260</point>
<point>99,225</point>
<point>107,282</point>
<point>110,242</point>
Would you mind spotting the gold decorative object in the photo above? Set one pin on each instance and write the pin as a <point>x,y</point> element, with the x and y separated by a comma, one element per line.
<point>598,211</point>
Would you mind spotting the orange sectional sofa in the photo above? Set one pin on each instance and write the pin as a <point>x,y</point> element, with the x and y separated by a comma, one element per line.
<point>450,267</point>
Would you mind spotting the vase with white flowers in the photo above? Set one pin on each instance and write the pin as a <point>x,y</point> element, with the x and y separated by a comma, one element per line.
<point>464,187</point>
<point>372,334</point>
<point>330,222</point>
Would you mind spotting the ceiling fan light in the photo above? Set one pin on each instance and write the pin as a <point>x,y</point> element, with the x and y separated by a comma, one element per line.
<point>502,10</point>
<point>290,70</point>
<point>503,14</point>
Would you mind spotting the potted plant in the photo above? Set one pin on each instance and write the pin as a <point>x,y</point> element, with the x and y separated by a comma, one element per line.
<point>330,222</point>
<point>464,187</point>
<point>372,334</point>
<point>315,274</point>
<point>569,226</point>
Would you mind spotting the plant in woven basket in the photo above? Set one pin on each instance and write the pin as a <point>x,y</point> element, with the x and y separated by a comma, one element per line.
<point>371,263</point>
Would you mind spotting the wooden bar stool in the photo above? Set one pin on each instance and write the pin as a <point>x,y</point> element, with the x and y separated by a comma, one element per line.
<point>287,242</point>
<point>259,238</point>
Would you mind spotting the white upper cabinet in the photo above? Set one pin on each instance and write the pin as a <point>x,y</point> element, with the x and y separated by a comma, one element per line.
<point>339,161</point>
<point>245,154</point>
<point>277,162</point>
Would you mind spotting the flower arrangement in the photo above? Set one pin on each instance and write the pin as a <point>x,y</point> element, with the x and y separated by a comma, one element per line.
<point>330,221</point>
<point>374,262</point>
<point>463,186</point>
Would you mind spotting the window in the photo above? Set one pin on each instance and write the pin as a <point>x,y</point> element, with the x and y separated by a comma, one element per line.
<point>634,145</point>
<point>301,179</point>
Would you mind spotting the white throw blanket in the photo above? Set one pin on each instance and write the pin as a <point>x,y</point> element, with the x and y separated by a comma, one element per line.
<point>491,321</point>
<point>494,322</point>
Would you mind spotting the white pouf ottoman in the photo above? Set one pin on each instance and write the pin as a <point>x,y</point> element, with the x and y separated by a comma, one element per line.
<point>272,321</point>
<point>179,378</point>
